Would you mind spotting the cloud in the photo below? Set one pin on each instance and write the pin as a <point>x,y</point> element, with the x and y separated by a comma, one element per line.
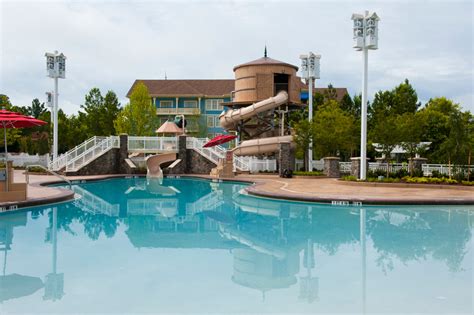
<point>109,44</point>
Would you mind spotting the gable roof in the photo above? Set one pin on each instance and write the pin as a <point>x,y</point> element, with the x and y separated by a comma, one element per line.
<point>340,92</point>
<point>180,88</point>
<point>186,87</point>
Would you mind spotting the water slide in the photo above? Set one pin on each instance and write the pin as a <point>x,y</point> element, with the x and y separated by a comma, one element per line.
<point>153,163</point>
<point>230,119</point>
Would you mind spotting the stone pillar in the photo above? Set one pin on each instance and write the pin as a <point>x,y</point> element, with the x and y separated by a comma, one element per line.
<point>286,159</point>
<point>355,166</point>
<point>331,166</point>
<point>181,167</point>
<point>416,164</point>
<point>122,166</point>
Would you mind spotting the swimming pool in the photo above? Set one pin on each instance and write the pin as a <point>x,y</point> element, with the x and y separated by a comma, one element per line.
<point>194,246</point>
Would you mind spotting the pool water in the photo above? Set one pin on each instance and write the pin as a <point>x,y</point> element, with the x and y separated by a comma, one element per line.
<point>195,246</point>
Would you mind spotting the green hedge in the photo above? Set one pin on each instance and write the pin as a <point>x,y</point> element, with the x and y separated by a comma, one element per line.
<point>413,180</point>
<point>302,173</point>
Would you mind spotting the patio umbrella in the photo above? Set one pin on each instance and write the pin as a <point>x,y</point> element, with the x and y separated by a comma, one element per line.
<point>10,119</point>
<point>219,140</point>
<point>169,127</point>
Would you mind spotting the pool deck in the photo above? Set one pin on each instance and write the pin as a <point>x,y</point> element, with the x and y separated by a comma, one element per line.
<point>300,188</point>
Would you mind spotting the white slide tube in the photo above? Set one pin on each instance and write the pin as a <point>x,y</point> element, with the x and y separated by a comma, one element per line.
<point>261,145</point>
<point>230,118</point>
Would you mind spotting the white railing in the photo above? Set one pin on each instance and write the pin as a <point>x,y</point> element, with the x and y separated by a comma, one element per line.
<point>152,144</point>
<point>89,202</point>
<point>70,155</point>
<point>392,167</point>
<point>178,111</point>
<point>445,169</point>
<point>345,167</point>
<point>256,165</point>
<point>215,153</point>
<point>99,148</point>
<point>318,165</point>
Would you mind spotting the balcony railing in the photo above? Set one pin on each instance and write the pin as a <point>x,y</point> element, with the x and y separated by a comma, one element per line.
<point>178,111</point>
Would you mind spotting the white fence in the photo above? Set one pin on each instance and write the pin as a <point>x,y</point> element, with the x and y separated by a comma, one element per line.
<point>24,159</point>
<point>318,165</point>
<point>446,169</point>
<point>260,165</point>
<point>152,144</point>
<point>392,167</point>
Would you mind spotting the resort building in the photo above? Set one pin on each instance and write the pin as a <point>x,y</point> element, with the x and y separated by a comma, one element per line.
<point>200,101</point>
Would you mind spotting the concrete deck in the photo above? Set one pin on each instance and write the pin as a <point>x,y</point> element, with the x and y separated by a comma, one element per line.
<point>304,189</point>
<point>330,189</point>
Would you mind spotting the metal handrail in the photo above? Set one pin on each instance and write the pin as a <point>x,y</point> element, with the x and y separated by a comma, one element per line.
<point>47,170</point>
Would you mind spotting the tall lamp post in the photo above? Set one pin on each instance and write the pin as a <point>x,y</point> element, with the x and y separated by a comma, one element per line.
<point>365,38</point>
<point>56,68</point>
<point>310,70</point>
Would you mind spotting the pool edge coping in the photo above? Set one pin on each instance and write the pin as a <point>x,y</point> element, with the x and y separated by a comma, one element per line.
<point>255,189</point>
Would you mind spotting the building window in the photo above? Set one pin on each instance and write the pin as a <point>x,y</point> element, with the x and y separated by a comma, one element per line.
<point>210,121</point>
<point>190,104</point>
<point>217,121</point>
<point>214,104</point>
<point>166,104</point>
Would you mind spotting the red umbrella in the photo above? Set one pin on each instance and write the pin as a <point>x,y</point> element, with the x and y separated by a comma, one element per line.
<point>15,120</point>
<point>219,140</point>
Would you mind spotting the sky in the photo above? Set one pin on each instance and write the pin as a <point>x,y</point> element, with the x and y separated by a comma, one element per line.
<point>109,44</point>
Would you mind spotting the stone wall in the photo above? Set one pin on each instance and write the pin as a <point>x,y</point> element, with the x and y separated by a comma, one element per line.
<point>107,163</point>
<point>197,164</point>
<point>331,166</point>
<point>286,158</point>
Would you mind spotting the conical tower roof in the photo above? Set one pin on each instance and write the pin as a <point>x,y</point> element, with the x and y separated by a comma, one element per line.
<point>265,61</point>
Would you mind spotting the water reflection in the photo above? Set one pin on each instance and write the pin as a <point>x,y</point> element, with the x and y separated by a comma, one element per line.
<point>275,245</point>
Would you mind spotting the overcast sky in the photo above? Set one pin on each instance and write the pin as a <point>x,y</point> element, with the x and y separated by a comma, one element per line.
<point>109,44</point>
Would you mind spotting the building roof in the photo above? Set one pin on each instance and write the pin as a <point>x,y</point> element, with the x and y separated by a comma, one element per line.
<point>340,92</point>
<point>175,88</point>
<point>265,61</point>
<point>186,87</point>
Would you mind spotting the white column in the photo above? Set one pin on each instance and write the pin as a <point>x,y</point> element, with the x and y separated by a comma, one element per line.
<point>363,120</point>
<point>55,126</point>
<point>310,118</point>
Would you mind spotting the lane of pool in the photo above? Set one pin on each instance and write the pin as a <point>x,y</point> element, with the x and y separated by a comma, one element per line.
<point>194,246</point>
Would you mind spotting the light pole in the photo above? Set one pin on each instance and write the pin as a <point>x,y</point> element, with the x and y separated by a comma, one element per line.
<point>310,70</point>
<point>56,68</point>
<point>365,38</point>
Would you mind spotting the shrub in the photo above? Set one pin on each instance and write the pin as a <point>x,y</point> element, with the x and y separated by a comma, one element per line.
<point>376,173</point>
<point>313,173</point>
<point>417,173</point>
<point>436,174</point>
<point>349,178</point>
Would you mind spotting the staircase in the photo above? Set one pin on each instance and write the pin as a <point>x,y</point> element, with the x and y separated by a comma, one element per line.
<point>89,150</point>
<point>84,153</point>
<point>215,153</point>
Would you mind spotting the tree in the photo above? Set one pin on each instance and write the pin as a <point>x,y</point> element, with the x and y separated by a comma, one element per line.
<point>138,118</point>
<point>405,99</point>
<point>100,112</point>
<point>303,137</point>
<point>36,109</point>
<point>386,133</point>
<point>411,127</point>
<point>457,146</point>
<point>435,116</point>
<point>110,113</point>
<point>330,94</point>
<point>333,130</point>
